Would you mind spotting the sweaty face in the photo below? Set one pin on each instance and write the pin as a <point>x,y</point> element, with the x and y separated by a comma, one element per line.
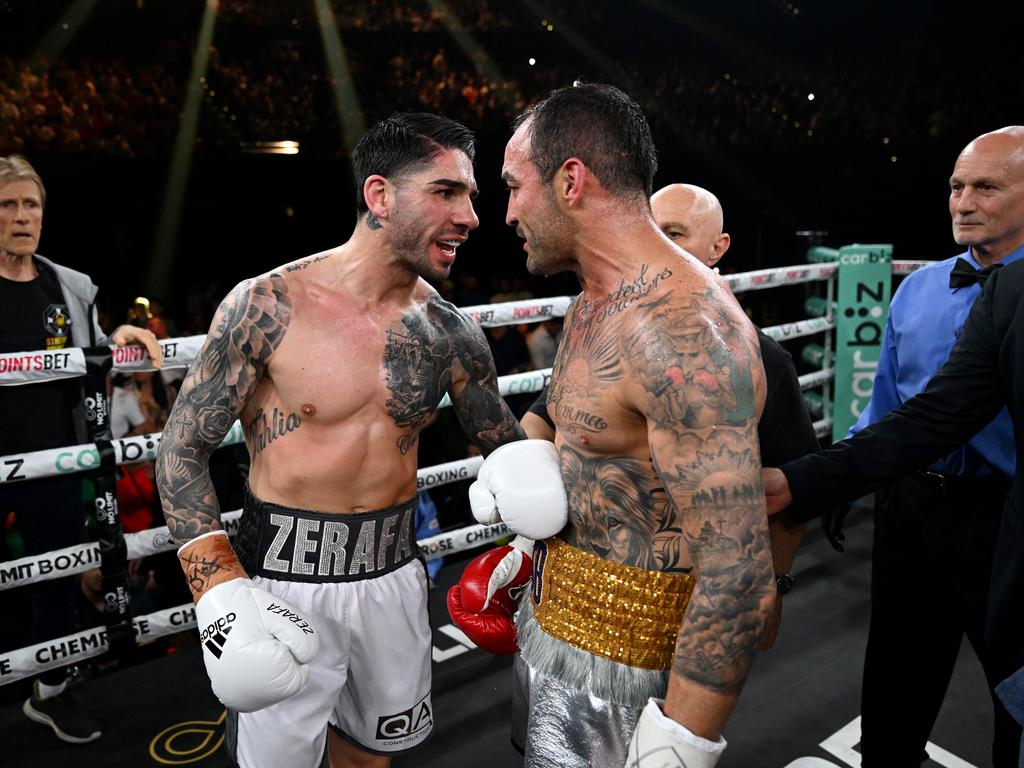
<point>986,199</point>
<point>21,218</point>
<point>433,214</point>
<point>533,210</point>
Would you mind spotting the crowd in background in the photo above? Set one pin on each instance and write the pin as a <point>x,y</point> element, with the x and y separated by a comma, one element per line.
<point>267,79</point>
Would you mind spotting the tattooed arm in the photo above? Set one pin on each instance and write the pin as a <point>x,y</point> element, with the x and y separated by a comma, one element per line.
<point>481,409</point>
<point>697,364</point>
<point>249,325</point>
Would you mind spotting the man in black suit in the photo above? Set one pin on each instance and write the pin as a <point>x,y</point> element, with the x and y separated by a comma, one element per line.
<point>984,373</point>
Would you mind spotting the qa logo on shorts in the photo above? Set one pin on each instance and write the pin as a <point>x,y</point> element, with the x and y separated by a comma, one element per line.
<point>409,726</point>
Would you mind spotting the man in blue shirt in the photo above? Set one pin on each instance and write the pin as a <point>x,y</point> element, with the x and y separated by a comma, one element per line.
<point>931,561</point>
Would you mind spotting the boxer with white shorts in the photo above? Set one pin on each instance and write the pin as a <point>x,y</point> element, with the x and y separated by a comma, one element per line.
<point>333,364</point>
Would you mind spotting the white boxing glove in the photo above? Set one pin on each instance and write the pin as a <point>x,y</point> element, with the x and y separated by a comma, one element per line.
<point>520,484</point>
<point>256,647</point>
<point>660,742</point>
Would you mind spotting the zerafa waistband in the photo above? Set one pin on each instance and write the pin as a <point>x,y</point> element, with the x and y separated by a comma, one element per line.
<point>289,544</point>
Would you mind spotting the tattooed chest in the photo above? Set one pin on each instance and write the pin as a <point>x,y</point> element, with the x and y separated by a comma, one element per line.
<point>587,372</point>
<point>418,371</point>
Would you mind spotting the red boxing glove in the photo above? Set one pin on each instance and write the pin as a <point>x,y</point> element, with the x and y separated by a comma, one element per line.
<point>484,601</point>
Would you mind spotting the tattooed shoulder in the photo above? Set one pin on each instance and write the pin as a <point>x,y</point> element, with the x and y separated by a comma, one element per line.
<point>249,325</point>
<point>694,359</point>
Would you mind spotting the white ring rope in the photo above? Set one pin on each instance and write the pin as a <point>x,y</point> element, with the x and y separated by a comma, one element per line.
<point>27,367</point>
<point>44,365</point>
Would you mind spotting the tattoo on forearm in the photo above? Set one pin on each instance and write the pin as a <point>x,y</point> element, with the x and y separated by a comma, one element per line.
<point>263,431</point>
<point>696,360</point>
<point>250,324</point>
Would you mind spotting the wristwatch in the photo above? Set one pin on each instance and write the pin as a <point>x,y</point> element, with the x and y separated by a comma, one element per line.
<point>783,583</point>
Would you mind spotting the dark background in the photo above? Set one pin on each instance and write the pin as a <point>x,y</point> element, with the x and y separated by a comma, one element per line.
<point>910,80</point>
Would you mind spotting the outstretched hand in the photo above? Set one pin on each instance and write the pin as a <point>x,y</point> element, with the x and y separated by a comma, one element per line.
<point>131,334</point>
<point>776,490</point>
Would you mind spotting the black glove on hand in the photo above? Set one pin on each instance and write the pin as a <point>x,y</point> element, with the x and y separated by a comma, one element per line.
<point>832,525</point>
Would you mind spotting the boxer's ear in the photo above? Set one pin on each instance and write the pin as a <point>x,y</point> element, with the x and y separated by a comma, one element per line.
<point>378,194</point>
<point>572,178</point>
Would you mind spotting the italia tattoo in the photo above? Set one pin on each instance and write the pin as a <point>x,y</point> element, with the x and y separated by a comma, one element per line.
<point>263,431</point>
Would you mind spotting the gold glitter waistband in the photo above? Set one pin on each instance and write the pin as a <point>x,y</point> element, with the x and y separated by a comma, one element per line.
<point>626,614</point>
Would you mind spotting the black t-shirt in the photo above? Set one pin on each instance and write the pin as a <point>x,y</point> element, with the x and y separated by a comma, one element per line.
<point>785,430</point>
<point>34,316</point>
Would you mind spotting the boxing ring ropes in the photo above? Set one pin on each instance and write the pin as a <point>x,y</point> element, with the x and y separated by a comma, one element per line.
<point>27,367</point>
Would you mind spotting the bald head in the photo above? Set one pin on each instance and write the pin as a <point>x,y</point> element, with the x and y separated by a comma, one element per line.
<point>692,217</point>
<point>986,199</point>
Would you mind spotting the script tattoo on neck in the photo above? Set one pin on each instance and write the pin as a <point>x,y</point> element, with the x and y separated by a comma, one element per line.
<point>372,221</point>
<point>249,325</point>
<point>262,432</point>
<point>625,296</point>
<point>696,358</point>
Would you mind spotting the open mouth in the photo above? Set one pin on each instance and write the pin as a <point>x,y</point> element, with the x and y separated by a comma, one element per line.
<point>447,247</point>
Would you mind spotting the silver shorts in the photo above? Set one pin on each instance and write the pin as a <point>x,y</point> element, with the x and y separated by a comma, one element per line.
<point>569,728</point>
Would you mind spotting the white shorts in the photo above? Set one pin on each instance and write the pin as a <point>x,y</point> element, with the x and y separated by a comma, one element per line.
<point>370,681</point>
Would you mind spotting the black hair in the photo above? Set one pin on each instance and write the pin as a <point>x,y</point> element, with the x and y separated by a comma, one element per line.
<point>404,141</point>
<point>600,125</point>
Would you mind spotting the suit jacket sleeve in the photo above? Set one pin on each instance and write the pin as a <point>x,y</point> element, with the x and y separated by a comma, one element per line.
<point>960,400</point>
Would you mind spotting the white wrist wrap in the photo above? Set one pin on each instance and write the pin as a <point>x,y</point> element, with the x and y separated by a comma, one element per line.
<point>660,742</point>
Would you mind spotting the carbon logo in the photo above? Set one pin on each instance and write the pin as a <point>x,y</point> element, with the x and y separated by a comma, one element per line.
<point>412,721</point>
<point>215,636</point>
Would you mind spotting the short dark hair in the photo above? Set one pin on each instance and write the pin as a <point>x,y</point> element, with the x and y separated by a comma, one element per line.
<point>600,125</point>
<point>403,141</point>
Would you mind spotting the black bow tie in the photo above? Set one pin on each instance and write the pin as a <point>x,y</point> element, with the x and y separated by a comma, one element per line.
<point>964,274</point>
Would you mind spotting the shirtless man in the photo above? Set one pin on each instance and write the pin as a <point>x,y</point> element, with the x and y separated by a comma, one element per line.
<point>647,608</point>
<point>333,364</point>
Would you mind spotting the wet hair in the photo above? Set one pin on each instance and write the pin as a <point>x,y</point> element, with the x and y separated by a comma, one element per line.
<point>600,125</point>
<point>404,142</point>
<point>17,168</point>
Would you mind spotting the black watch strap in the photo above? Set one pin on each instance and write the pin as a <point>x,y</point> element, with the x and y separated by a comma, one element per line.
<point>783,583</point>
